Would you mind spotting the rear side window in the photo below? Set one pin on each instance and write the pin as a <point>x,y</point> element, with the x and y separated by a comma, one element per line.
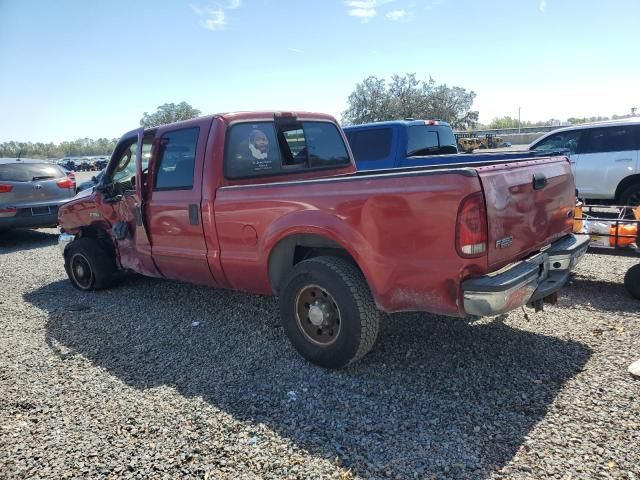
<point>273,148</point>
<point>609,139</point>
<point>28,172</point>
<point>176,159</point>
<point>561,140</point>
<point>430,140</point>
<point>370,145</point>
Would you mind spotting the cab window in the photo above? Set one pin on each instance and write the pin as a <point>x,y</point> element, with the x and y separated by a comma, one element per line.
<point>124,172</point>
<point>176,159</point>
<point>273,148</point>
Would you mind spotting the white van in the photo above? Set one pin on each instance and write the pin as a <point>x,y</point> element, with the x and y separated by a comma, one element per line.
<point>604,157</point>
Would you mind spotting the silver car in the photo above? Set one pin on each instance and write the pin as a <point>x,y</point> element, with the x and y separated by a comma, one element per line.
<point>31,192</point>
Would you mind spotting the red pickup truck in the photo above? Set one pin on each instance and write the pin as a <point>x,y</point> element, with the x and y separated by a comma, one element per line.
<point>271,203</point>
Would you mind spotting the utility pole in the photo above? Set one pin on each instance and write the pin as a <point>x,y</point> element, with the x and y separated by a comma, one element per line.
<point>518,119</point>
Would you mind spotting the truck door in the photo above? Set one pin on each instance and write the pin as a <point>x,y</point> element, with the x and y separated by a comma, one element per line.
<point>173,210</point>
<point>120,203</point>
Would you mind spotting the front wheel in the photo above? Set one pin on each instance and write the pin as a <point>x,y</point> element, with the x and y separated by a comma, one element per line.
<point>631,196</point>
<point>89,265</point>
<point>632,281</point>
<point>328,311</point>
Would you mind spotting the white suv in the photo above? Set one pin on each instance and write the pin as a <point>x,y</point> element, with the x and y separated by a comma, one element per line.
<point>604,157</point>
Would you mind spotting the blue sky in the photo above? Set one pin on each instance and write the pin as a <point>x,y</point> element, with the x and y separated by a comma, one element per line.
<point>74,69</point>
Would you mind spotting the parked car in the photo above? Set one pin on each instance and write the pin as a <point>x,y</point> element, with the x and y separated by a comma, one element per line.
<point>31,191</point>
<point>604,158</point>
<point>416,143</point>
<point>271,203</point>
<point>68,164</point>
<point>100,163</point>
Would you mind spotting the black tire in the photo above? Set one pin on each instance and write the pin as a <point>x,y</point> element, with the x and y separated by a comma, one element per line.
<point>632,281</point>
<point>344,287</point>
<point>631,195</point>
<point>89,265</point>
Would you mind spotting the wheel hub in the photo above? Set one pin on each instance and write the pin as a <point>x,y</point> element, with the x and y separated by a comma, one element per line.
<point>319,313</point>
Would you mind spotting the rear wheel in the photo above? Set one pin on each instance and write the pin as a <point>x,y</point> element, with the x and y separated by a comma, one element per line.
<point>631,195</point>
<point>632,281</point>
<point>328,312</point>
<point>89,265</point>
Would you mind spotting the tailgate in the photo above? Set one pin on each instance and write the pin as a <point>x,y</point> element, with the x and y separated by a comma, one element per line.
<point>529,205</point>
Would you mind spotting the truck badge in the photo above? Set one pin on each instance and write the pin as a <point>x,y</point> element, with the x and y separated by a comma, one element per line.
<point>505,242</point>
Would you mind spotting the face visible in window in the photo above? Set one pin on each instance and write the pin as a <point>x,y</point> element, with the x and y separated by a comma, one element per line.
<point>258,144</point>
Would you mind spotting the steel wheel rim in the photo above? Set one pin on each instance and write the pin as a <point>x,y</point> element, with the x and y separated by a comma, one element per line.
<point>81,271</point>
<point>317,315</point>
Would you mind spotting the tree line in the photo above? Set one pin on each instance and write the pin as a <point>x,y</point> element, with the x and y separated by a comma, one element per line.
<point>79,148</point>
<point>510,122</point>
<point>373,100</point>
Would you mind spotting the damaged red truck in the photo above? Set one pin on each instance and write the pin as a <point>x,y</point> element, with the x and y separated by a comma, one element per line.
<point>270,203</point>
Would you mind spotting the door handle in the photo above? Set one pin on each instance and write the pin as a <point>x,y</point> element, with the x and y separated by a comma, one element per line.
<point>193,214</point>
<point>539,181</point>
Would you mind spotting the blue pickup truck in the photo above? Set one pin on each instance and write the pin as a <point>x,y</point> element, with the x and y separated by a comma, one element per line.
<point>414,143</point>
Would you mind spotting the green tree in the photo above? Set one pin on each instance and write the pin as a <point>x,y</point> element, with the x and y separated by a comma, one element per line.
<point>408,97</point>
<point>169,113</point>
<point>505,122</point>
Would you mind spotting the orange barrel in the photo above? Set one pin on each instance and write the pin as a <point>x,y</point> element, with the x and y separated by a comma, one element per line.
<point>627,234</point>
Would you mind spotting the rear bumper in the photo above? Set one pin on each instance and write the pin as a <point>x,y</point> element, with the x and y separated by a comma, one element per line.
<point>526,281</point>
<point>31,217</point>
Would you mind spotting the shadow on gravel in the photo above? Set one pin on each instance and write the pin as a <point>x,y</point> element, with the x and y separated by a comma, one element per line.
<point>437,396</point>
<point>26,239</point>
<point>602,295</point>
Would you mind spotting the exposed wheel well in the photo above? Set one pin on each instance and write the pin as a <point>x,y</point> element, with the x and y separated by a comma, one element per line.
<point>100,235</point>
<point>626,183</point>
<point>293,249</point>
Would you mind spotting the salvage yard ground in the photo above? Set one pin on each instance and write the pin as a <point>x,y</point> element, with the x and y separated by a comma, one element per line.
<point>159,379</point>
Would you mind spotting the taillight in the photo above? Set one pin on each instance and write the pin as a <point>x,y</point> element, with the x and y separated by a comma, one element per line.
<point>471,227</point>
<point>66,183</point>
<point>8,212</point>
<point>6,188</point>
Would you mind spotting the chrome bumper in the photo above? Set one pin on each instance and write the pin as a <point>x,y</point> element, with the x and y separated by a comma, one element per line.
<point>65,239</point>
<point>526,281</point>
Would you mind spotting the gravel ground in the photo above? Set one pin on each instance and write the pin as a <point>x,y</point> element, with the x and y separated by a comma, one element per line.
<point>159,379</point>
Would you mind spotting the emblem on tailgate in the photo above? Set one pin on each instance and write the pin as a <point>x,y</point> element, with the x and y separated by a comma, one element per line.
<point>505,242</point>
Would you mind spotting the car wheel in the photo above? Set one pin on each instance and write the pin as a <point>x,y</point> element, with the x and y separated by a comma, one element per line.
<point>631,195</point>
<point>89,265</point>
<point>328,311</point>
<point>632,281</point>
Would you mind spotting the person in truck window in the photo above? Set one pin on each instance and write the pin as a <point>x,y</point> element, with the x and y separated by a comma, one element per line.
<point>258,145</point>
<point>255,157</point>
